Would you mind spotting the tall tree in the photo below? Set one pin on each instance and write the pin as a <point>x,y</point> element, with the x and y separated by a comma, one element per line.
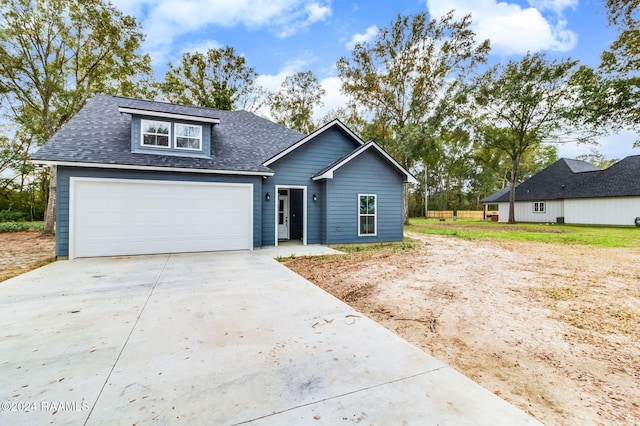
<point>293,104</point>
<point>525,103</point>
<point>405,80</point>
<point>493,166</point>
<point>219,78</point>
<point>621,64</point>
<point>54,54</point>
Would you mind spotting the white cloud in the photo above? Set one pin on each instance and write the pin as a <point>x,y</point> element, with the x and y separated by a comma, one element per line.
<point>296,22</point>
<point>557,6</point>
<point>511,28</point>
<point>167,19</point>
<point>333,98</point>
<point>272,82</point>
<point>368,35</point>
<point>317,12</point>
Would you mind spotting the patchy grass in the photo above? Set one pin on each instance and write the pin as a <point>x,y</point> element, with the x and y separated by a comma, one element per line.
<point>21,226</point>
<point>599,236</point>
<point>560,293</point>
<point>407,244</point>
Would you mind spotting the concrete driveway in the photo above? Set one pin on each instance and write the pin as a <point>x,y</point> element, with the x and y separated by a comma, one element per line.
<point>213,338</point>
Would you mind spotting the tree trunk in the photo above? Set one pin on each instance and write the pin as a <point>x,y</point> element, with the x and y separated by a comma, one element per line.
<point>405,204</point>
<point>515,162</point>
<point>50,215</point>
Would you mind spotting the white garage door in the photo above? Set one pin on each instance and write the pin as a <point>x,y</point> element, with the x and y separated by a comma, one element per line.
<point>111,217</point>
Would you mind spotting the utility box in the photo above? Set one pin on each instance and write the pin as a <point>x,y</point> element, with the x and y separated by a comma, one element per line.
<point>560,220</point>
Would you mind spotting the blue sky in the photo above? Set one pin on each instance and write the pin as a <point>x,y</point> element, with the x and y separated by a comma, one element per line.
<point>281,37</point>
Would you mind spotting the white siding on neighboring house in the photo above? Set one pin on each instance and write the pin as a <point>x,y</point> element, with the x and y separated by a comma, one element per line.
<point>503,212</point>
<point>602,211</point>
<point>524,212</point>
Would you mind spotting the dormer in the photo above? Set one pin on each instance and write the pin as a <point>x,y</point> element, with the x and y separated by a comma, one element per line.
<point>168,133</point>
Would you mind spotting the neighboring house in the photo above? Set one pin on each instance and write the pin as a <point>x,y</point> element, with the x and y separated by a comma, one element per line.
<point>142,177</point>
<point>576,192</point>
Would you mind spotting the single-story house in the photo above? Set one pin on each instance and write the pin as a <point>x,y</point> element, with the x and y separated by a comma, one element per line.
<point>144,177</point>
<point>576,192</point>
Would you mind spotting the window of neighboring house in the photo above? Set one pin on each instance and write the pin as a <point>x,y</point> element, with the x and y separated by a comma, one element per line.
<point>156,133</point>
<point>538,207</point>
<point>367,214</point>
<point>188,136</point>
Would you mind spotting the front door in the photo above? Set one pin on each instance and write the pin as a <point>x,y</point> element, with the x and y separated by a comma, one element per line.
<point>283,214</point>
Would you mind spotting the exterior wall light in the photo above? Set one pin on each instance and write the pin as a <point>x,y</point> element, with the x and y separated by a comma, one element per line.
<point>315,198</point>
<point>268,197</point>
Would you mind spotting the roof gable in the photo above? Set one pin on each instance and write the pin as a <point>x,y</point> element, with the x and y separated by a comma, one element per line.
<point>327,173</point>
<point>332,124</point>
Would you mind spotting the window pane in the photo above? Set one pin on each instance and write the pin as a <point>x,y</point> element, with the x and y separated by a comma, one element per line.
<point>367,225</point>
<point>188,143</point>
<point>156,127</point>
<point>363,204</point>
<point>162,140</point>
<point>190,131</point>
<point>149,140</point>
<point>372,205</point>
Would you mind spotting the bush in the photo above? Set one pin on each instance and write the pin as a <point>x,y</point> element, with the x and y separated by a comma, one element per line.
<point>21,226</point>
<point>11,216</point>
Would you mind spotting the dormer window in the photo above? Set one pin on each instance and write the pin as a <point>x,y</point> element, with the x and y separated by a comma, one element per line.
<point>188,136</point>
<point>156,133</point>
<point>168,133</point>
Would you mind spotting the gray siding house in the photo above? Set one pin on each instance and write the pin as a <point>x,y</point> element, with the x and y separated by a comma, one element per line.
<point>576,192</point>
<point>143,177</point>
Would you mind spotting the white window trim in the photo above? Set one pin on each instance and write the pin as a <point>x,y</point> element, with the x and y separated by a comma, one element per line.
<point>175,142</point>
<point>375,215</point>
<point>538,204</point>
<point>142,133</point>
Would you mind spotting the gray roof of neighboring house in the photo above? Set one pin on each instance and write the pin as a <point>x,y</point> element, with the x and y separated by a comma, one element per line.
<point>568,178</point>
<point>622,179</point>
<point>493,198</point>
<point>579,166</point>
<point>100,134</point>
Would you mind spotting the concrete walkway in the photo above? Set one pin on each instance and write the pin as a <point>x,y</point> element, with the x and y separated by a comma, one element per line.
<point>213,338</point>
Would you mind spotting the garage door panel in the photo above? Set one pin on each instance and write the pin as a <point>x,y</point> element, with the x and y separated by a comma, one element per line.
<point>119,217</point>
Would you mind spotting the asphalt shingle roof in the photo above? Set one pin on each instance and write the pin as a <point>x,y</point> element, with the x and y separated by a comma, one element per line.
<point>622,179</point>
<point>568,178</point>
<point>100,134</point>
<point>493,198</point>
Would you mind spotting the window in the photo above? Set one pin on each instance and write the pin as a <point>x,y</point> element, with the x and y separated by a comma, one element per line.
<point>538,207</point>
<point>188,136</point>
<point>156,133</point>
<point>367,214</point>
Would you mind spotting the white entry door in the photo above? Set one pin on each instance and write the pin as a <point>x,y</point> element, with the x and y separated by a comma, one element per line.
<point>111,217</point>
<point>283,214</point>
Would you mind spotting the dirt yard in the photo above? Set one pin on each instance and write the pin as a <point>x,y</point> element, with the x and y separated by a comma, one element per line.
<point>23,251</point>
<point>553,329</point>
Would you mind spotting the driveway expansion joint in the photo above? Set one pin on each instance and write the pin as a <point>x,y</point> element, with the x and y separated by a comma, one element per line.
<point>133,327</point>
<point>366,388</point>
